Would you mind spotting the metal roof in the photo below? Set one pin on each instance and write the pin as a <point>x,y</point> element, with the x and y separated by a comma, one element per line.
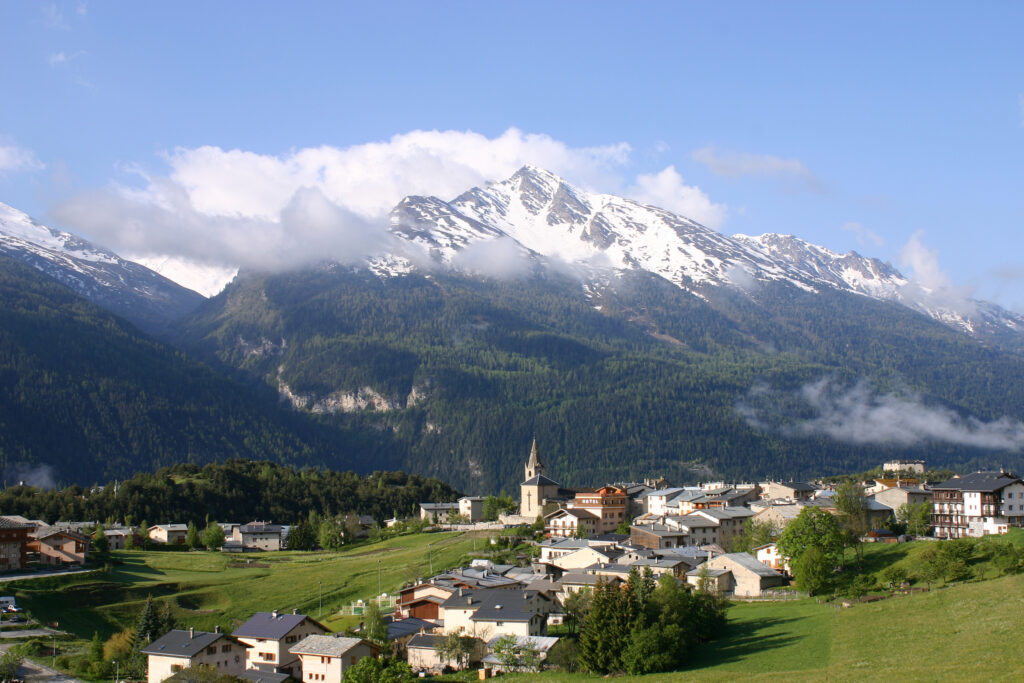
<point>271,625</point>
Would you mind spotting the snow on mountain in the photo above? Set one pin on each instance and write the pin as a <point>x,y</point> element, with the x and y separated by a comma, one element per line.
<point>133,291</point>
<point>551,219</point>
<point>207,280</point>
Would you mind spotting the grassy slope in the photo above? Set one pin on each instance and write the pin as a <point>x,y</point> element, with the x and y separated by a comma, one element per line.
<point>204,591</point>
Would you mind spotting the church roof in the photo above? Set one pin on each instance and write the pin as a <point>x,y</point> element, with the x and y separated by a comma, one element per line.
<point>539,480</point>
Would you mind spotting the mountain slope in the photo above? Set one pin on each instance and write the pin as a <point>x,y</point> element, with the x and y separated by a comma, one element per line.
<point>86,397</point>
<point>462,371</point>
<point>128,289</point>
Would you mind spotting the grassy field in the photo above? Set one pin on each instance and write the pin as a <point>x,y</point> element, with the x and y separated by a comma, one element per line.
<point>939,635</point>
<point>207,589</point>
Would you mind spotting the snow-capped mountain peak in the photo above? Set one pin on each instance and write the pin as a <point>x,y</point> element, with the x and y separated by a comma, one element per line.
<point>550,218</point>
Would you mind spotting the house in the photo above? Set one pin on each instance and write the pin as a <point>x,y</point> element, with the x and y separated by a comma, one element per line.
<point>792,490</point>
<point>181,649</point>
<point>977,504</point>
<point>540,644</point>
<point>915,466</point>
<point>738,574</point>
<point>778,513</point>
<point>902,495</point>
<point>513,613</point>
<point>117,539</point>
<point>570,523</point>
<point>258,536</point>
<point>438,512</point>
<point>422,601</point>
<point>584,557</point>
<point>768,555</point>
<point>170,534</point>
<point>327,658</point>
<point>608,505</point>
<point>536,489</point>
<point>472,508</point>
<point>658,535</point>
<point>655,501</point>
<point>59,547</point>
<point>14,544</point>
<point>423,654</point>
<point>268,636</point>
<point>730,521</point>
<point>489,611</point>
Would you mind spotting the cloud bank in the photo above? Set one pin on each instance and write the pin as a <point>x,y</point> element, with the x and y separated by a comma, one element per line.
<point>240,208</point>
<point>861,416</point>
<point>930,286</point>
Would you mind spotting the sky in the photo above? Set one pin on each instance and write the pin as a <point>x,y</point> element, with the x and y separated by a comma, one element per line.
<point>229,132</point>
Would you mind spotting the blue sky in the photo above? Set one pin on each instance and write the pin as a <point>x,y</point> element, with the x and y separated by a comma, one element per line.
<point>895,129</point>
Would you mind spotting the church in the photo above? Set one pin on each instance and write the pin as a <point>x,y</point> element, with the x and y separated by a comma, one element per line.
<point>536,488</point>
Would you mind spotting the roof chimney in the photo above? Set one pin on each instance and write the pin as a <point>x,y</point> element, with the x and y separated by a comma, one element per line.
<point>274,615</point>
<point>295,610</point>
<point>191,632</point>
<point>216,629</point>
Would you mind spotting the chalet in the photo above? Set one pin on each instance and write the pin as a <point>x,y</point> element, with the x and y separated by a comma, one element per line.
<point>896,496</point>
<point>325,659</point>
<point>472,508</point>
<point>540,644</point>
<point>117,539</point>
<point>438,512</point>
<point>424,654</point>
<point>570,523</point>
<point>658,535</point>
<point>258,536</point>
<point>977,504</point>
<point>584,557</point>
<point>59,547</point>
<point>791,490</point>
<point>488,612</point>
<point>737,574</point>
<point>269,635</point>
<point>181,649</point>
<point>768,555</point>
<point>14,544</point>
<point>422,601</point>
<point>170,534</point>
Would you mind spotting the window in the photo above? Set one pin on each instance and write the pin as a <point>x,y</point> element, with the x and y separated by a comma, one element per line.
<point>211,650</point>
<point>267,656</point>
<point>175,668</point>
<point>225,648</point>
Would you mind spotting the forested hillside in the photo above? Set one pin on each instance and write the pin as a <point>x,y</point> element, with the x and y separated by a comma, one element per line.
<point>85,397</point>
<point>635,379</point>
<point>236,490</point>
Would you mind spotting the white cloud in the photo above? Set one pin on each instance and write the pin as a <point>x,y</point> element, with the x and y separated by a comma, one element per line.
<point>667,190</point>
<point>369,179</point>
<point>865,236</point>
<point>240,208</point>
<point>792,172</point>
<point>931,286</point>
<point>57,58</point>
<point>861,416</point>
<point>14,158</point>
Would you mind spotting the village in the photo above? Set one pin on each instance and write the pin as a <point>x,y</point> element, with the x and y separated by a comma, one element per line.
<point>500,617</point>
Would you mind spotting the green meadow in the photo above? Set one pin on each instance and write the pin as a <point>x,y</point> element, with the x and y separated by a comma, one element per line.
<point>970,629</point>
<point>207,589</point>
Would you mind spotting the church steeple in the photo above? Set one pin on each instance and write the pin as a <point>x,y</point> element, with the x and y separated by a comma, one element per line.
<point>533,466</point>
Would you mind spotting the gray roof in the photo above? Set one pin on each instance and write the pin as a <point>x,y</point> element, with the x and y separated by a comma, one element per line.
<point>751,563</point>
<point>506,605</point>
<point>180,643</point>
<point>986,482</point>
<point>405,627</point>
<point>6,522</point>
<point>328,646</point>
<point>539,480</point>
<point>581,579</point>
<point>539,643</point>
<point>575,512</point>
<point>439,506</point>
<point>711,572</point>
<point>429,641</point>
<point>170,527</point>
<point>270,625</point>
<point>257,676</point>
<point>797,485</point>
